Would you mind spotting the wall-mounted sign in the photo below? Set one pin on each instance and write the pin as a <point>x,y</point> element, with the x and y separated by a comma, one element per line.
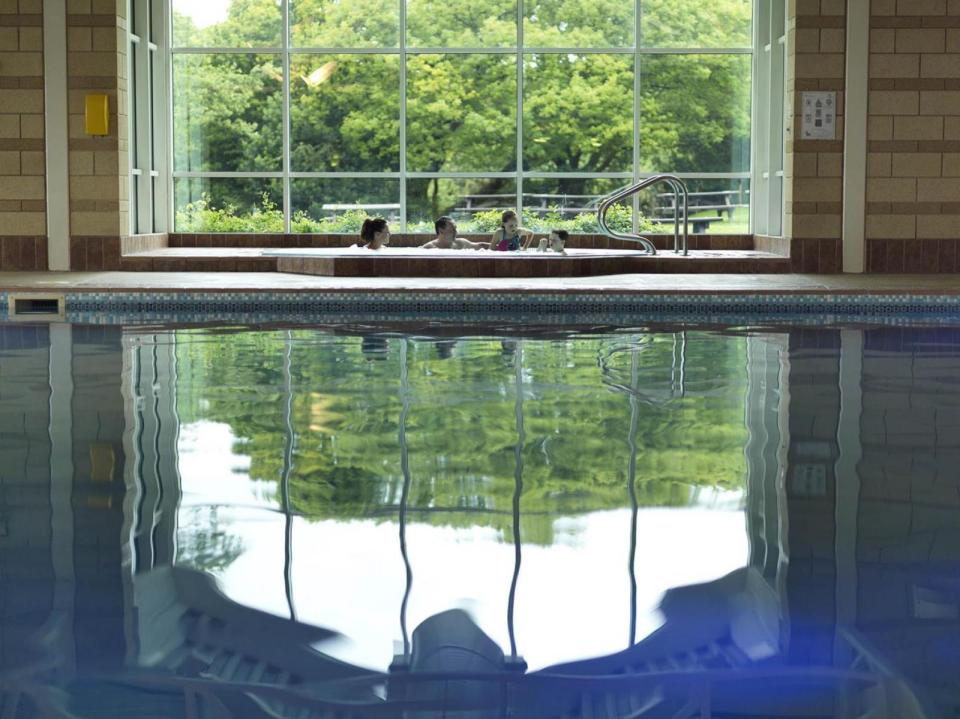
<point>819,120</point>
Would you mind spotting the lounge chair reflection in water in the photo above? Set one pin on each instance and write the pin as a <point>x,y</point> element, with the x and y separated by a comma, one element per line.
<point>255,664</point>
<point>221,659</point>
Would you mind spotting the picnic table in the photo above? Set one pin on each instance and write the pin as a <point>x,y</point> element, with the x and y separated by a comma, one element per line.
<point>342,206</point>
<point>718,200</point>
<point>698,225</point>
<point>542,203</point>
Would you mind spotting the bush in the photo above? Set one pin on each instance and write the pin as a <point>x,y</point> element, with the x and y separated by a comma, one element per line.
<point>199,216</point>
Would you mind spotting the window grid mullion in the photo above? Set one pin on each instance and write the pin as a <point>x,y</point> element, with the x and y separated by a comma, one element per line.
<point>637,29</point>
<point>285,115</point>
<point>518,167</point>
<point>403,115</point>
<point>403,51</point>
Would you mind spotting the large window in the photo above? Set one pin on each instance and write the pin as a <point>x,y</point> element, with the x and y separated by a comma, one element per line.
<point>147,77</point>
<point>307,115</point>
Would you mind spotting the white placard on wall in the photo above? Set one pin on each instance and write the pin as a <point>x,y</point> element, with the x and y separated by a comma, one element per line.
<point>819,115</point>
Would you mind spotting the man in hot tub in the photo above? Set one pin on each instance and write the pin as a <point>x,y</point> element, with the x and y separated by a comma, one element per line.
<point>447,239</point>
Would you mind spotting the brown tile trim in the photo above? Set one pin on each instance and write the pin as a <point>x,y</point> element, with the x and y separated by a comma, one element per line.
<point>803,84</point>
<point>907,208</point>
<point>948,256</point>
<point>821,21</point>
<point>78,254</point>
<point>940,21</point>
<point>88,82</point>
<point>816,255</point>
<point>894,21</point>
<point>92,20</point>
<point>818,145</point>
<point>913,21</point>
<point>21,144</point>
<point>938,146</point>
<point>93,144</point>
<point>915,208</point>
<point>23,252</point>
<point>829,208</point>
<point>25,82</point>
<point>18,20</point>
<point>914,83</point>
<point>915,256</point>
<point>892,146</point>
<point>33,205</point>
<point>95,205</point>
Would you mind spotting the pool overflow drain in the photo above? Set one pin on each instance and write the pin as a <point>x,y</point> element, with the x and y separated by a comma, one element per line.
<point>36,307</point>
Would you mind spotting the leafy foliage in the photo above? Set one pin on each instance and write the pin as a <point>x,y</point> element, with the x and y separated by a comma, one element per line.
<point>461,429</point>
<point>460,108</point>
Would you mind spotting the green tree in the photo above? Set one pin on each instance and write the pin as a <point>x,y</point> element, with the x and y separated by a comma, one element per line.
<point>461,108</point>
<point>461,426</point>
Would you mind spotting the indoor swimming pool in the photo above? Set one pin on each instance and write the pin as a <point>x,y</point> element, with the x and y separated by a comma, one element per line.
<point>375,519</point>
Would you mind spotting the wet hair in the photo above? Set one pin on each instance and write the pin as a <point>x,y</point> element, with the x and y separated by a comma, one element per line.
<point>562,234</point>
<point>507,215</point>
<point>371,226</point>
<point>442,222</point>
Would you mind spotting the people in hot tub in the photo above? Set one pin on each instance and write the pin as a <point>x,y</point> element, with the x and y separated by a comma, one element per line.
<point>509,237</point>
<point>447,239</point>
<point>375,233</point>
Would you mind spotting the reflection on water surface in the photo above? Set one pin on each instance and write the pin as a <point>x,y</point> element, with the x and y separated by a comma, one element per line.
<point>367,522</point>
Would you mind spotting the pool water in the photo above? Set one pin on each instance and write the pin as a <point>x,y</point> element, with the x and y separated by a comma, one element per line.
<point>380,521</point>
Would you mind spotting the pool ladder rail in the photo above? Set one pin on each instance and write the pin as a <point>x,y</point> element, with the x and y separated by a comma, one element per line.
<point>679,192</point>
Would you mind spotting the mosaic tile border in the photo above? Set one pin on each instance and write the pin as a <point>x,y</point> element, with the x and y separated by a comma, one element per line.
<point>554,307</point>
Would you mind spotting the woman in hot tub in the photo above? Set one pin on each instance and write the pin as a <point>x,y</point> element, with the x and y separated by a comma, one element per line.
<point>375,233</point>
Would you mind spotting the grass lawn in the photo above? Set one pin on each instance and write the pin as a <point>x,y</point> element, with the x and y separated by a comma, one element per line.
<point>739,225</point>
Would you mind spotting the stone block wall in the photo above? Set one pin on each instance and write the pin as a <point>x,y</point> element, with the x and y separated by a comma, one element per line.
<point>913,185</point>
<point>99,178</point>
<point>23,220</point>
<point>813,169</point>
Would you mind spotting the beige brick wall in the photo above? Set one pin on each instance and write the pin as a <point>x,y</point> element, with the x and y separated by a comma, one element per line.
<point>22,167</point>
<point>813,174</point>
<point>913,136</point>
<point>97,63</point>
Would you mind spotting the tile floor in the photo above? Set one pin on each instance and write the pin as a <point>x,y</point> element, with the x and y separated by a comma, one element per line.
<point>620,284</point>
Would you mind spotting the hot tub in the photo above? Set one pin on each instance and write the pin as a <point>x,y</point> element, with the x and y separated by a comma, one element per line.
<point>417,262</point>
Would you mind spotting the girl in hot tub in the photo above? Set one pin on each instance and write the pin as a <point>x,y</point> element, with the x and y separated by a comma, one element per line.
<point>509,237</point>
<point>374,233</point>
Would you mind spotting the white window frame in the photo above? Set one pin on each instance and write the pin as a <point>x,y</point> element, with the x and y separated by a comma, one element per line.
<point>767,123</point>
<point>163,115</point>
<point>149,121</point>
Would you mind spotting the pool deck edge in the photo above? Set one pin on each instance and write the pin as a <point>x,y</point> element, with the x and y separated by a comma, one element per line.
<point>632,284</point>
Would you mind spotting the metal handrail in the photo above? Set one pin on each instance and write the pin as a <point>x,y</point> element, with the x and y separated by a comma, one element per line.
<point>679,191</point>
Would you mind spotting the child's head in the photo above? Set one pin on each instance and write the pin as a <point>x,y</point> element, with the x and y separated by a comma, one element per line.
<point>558,238</point>
<point>445,226</point>
<point>374,229</point>
<point>509,221</point>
